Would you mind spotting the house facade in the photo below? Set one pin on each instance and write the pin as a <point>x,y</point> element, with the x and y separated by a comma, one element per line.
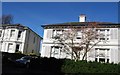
<point>108,51</point>
<point>14,38</point>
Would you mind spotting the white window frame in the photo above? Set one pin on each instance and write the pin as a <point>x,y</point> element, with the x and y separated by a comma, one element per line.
<point>106,54</point>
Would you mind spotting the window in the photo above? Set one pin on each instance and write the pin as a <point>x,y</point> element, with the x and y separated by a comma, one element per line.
<point>97,29</point>
<point>32,51</point>
<point>17,48</point>
<point>34,40</point>
<point>19,34</point>
<point>0,33</point>
<point>78,37</point>
<point>102,60</point>
<point>107,38</point>
<point>96,59</point>
<point>57,33</point>
<point>55,51</point>
<point>12,33</point>
<point>10,46</point>
<point>107,29</point>
<point>102,38</point>
<point>102,29</point>
<point>102,55</point>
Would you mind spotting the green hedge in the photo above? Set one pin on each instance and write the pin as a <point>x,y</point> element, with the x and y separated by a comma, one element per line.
<point>70,66</point>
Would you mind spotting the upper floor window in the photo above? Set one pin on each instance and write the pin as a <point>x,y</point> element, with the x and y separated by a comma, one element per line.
<point>0,33</point>
<point>79,35</point>
<point>19,34</point>
<point>102,30</point>
<point>12,34</point>
<point>57,33</point>
<point>107,29</point>
<point>102,38</point>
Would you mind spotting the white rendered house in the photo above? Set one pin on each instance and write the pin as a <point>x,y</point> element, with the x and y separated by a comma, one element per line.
<point>14,38</point>
<point>103,52</point>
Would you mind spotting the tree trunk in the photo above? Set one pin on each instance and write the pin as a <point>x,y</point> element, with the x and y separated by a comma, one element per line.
<point>72,49</point>
<point>85,54</point>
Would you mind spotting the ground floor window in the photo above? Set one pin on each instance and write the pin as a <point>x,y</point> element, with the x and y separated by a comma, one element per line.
<point>103,60</point>
<point>17,47</point>
<point>55,51</point>
<point>102,55</point>
<point>10,47</point>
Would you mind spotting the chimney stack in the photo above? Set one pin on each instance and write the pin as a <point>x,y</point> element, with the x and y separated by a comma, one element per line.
<point>82,18</point>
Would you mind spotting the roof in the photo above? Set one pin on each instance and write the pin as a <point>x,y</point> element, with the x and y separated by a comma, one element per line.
<point>18,26</point>
<point>12,25</point>
<point>79,24</point>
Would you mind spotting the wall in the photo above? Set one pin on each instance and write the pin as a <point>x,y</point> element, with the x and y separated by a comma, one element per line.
<point>112,44</point>
<point>119,44</point>
<point>32,43</point>
<point>47,43</point>
<point>7,39</point>
<point>25,41</point>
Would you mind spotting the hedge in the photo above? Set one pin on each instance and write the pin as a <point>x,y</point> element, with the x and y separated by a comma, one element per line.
<point>70,66</point>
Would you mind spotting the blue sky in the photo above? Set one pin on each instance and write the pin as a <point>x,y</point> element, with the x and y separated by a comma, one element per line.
<point>35,14</point>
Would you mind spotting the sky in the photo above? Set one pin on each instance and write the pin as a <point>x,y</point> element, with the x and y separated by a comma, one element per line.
<point>35,14</point>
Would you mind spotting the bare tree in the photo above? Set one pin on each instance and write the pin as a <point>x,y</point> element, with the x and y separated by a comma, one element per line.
<point>66,40</point>
<point>89,39</point>
<point>6,19</point>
